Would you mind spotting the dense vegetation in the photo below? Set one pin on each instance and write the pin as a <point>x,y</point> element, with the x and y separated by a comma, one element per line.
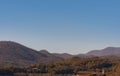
<point>70,66</point>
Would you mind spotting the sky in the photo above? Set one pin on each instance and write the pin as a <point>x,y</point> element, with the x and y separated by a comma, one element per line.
<point>61,26</point>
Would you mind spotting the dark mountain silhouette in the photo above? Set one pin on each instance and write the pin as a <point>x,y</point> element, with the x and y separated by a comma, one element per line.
<point>63,55</point>
<point>12,53</point>
<point>58,55</point>
<point>45,52</point>
<point>81,55</point>
<point>109,51</point>
<point>50,57</point>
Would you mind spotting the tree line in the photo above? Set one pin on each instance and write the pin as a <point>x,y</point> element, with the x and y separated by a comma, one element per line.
<point>69,66</point>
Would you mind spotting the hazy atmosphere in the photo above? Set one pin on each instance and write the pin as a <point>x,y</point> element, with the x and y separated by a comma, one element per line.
<point>71,26</point>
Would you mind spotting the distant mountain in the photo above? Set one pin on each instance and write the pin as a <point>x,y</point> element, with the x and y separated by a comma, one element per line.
<point>45,52</point>
<point>63,55</point>
<point>50,57</point>
<point>12,53</point>
<point>58,55</point>
<point>109,51</point>
<point>81,55</point>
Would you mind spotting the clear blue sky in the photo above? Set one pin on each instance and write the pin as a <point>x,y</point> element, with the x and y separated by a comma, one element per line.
<point>72,26</point>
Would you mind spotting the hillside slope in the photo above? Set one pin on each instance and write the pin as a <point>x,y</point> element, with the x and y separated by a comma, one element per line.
<point>109,51</point>
<point>12,53</point>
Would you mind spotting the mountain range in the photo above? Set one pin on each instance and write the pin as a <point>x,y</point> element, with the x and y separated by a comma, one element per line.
<point>109,51</point>
<point>12,53</point>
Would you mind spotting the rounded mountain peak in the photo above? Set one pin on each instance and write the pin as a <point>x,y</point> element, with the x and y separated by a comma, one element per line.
<point>9,44</point>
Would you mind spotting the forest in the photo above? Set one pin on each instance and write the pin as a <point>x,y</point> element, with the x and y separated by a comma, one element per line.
<point>70,66</point>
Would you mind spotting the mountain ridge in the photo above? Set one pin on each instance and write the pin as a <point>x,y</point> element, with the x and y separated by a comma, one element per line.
<point>12,53</point>
<point>109,51</point>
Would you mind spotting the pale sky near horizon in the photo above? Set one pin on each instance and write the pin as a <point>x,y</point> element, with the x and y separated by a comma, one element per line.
<point>63,26</point>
